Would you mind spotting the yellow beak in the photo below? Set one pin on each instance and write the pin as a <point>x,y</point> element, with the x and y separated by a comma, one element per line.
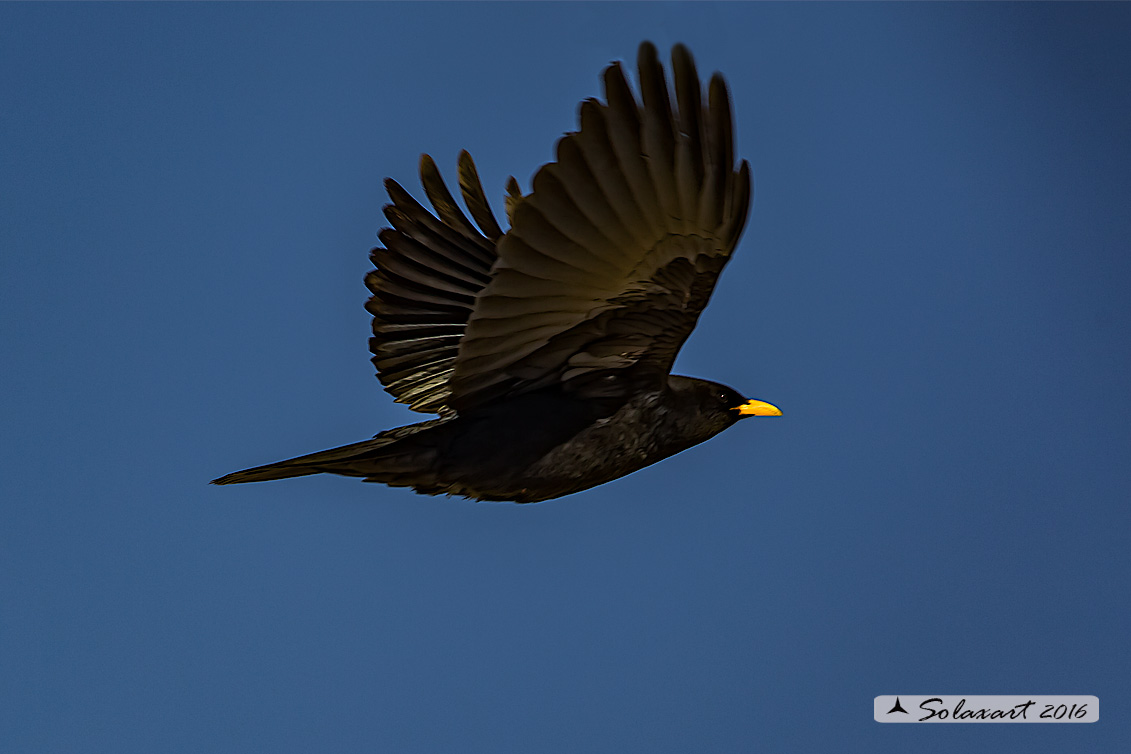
<point>758,408</point>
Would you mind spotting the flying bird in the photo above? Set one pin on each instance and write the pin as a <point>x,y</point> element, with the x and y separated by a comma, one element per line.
<point>545,351</point>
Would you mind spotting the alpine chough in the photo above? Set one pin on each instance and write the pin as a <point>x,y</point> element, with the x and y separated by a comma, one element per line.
<point>545,350</point>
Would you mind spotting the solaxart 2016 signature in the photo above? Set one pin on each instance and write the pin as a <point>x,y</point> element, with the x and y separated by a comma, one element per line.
<point>986,708</point>
<point>934,708</point>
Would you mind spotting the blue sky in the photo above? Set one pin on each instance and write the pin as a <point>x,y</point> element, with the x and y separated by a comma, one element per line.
<point>933,286</point>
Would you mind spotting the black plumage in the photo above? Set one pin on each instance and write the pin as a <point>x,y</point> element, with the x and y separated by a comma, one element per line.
<point>546,350</point>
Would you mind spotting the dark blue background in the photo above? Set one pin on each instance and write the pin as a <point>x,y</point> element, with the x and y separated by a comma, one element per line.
<point>933,286</point>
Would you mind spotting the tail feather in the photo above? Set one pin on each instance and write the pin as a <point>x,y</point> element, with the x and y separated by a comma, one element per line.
<point>313,463</point>
<point>384,455</point>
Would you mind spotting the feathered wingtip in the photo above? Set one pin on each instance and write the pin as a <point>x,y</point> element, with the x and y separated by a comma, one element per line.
<point>513,197</point>
<point>472,189</point>
<point>424,283</point>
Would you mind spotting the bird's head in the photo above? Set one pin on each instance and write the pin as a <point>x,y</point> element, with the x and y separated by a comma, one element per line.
<point>717,406</point>
<point>732,402</point>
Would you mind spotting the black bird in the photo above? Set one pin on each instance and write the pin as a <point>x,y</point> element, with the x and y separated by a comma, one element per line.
<point>545,351</point>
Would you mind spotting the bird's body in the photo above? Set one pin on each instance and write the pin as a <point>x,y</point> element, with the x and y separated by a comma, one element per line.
<point>546,350</point>
<point>537,446</point>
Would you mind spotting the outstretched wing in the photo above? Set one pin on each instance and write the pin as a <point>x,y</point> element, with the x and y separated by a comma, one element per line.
<point>426,280</point>
<point>615,253</point>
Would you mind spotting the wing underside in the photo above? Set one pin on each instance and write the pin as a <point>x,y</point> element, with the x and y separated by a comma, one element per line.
<point>427,277</point>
